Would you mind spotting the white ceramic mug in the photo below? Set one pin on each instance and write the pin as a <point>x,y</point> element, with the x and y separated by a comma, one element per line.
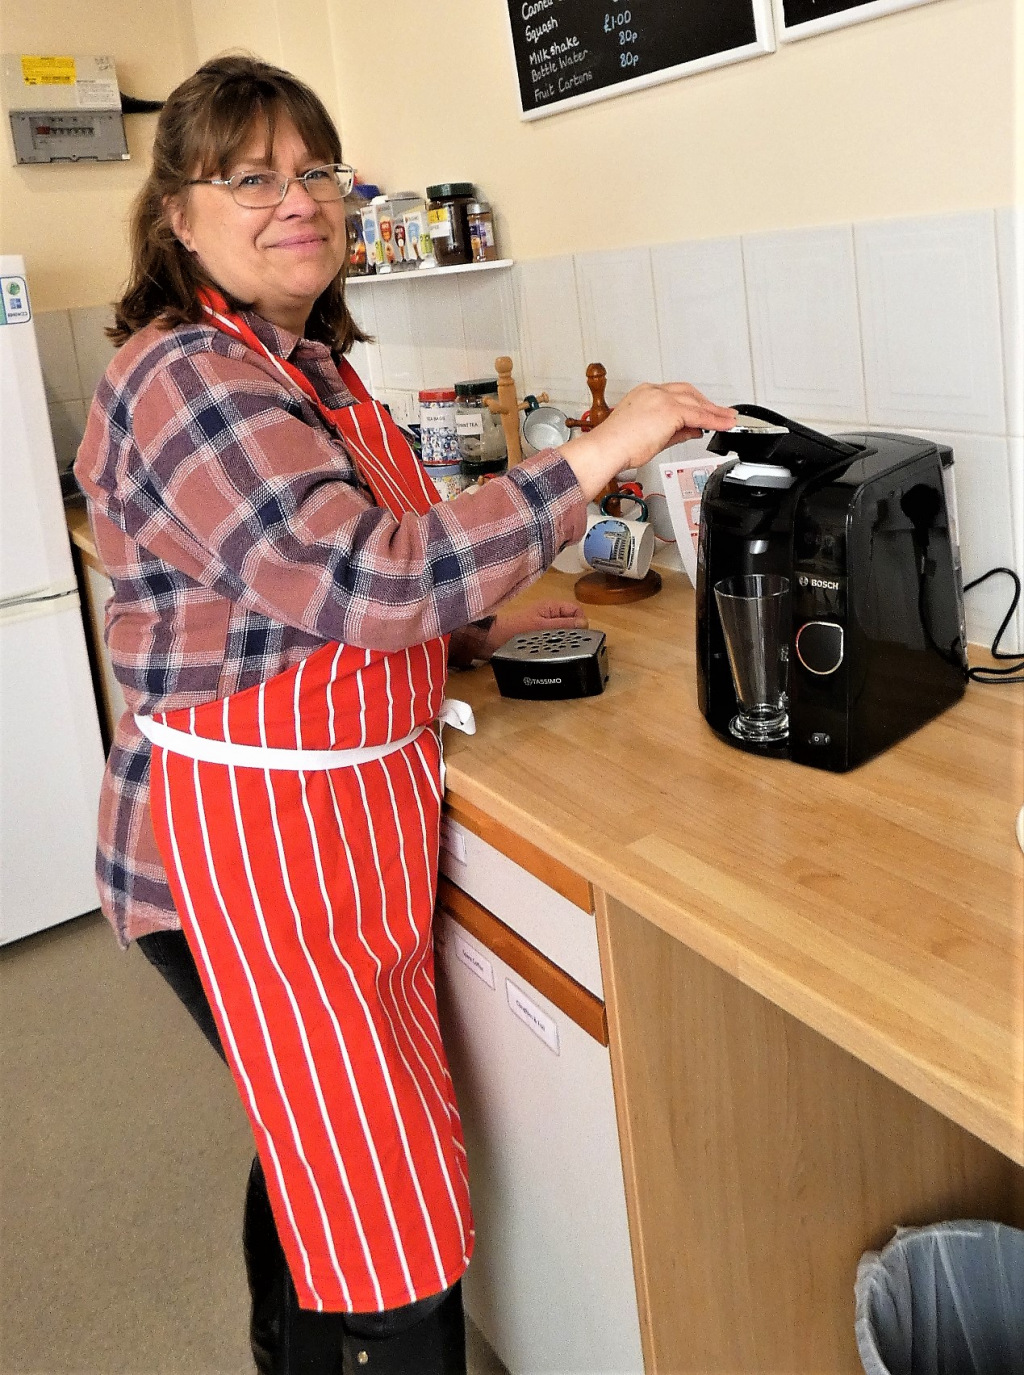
<point>618,546</point>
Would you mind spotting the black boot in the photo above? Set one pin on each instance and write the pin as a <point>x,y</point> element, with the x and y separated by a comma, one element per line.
<point>425,1338</point>
<point>310,1343</point>
<point>266,1270</point>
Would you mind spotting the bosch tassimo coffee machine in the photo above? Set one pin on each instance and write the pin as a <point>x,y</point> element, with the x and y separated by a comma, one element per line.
<point>829,593</point>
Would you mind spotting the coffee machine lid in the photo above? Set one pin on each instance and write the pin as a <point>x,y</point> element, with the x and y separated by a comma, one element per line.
<point>764,438</point>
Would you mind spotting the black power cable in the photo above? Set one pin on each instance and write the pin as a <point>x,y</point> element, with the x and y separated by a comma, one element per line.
<point>1014,671</point>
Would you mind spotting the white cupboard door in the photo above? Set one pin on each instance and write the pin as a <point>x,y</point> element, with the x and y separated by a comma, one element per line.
<point>551,1281</point>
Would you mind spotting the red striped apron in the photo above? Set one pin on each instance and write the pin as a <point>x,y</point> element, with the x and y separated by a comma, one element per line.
<point>306,895</point>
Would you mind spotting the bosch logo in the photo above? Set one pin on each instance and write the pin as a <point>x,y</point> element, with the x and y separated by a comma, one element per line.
<point>827,584</point>
<point>540,682</point>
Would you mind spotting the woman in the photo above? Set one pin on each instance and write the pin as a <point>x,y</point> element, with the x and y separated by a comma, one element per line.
<point>287,596</point>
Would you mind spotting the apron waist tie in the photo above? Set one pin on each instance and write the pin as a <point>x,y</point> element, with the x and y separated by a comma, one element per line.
<point>453,713</point>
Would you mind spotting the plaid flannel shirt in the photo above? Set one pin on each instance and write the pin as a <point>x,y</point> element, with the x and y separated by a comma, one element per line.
<point>239,538</point>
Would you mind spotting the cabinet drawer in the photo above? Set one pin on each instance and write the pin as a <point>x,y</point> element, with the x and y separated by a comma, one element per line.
<point>570,997</point>
<point>556,926</point>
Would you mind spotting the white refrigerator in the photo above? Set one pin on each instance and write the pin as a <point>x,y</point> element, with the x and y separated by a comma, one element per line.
<point>51,754</point>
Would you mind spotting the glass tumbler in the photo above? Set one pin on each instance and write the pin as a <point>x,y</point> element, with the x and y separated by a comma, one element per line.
<point>754,611</point>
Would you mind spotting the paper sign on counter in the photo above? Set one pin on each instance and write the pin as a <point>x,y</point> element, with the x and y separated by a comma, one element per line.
<point>530,1015</point>
<point>683,482</point>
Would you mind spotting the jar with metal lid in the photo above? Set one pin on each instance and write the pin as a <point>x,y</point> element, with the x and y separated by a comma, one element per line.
<point>481,232</point>
<point>446,216</point>
<point>448,479</point>
<point>481,434</point>
<point>438,436</point>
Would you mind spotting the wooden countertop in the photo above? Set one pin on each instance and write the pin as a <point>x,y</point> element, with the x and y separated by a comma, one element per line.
<point>883,907</point>
<point>80,531</point>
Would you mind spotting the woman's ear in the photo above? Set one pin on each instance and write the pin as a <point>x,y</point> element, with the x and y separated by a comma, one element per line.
<point>177,219</point>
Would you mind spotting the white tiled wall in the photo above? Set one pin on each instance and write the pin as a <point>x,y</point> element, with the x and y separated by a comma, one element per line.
<point>74,353</point>
<point>912,325</point>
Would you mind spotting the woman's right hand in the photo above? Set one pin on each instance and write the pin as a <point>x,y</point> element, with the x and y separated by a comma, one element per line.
<point>647,420</point>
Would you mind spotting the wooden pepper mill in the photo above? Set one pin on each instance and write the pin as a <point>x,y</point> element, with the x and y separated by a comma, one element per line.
<point>508,407</point>
<point>607,588</point>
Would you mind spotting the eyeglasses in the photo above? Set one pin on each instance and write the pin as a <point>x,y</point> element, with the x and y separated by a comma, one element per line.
<point>261,190</point>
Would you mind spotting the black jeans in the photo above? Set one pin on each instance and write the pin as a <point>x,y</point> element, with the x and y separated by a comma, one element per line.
<point>422,1338</point>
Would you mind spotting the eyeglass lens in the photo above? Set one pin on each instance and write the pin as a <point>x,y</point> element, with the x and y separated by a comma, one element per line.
<point>259,190</point>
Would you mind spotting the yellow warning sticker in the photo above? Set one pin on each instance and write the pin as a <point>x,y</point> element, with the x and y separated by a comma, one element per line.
<point>48,71</point>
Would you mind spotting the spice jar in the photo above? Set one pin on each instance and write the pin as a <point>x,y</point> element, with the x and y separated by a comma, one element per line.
<point>438,437</point>
<point>448,479</point>
<point>481,232</point>
<point>384,247</point>
<point>417,236</point>
<point>481,434</point>
<point>398,205</point>
<point>446,215</point>
<point>356,266</point>
<point>371,242</point>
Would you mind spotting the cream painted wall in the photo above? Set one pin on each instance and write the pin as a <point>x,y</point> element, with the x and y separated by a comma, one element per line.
<point>296,34</point>
<point>69,221</point>
<point>909,114</point>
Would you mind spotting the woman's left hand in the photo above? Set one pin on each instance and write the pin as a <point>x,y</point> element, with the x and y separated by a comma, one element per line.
<point>538,616</point>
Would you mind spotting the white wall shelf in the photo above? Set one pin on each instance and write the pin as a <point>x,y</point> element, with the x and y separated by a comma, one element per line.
<point>418,273</point>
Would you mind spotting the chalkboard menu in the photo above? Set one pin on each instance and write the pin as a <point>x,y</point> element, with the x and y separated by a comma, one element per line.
<point>804,18</point>
<point>570,52</point>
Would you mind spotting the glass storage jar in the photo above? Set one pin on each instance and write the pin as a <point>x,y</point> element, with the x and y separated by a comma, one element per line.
<point>446,216</point>
<point>481,434</point>
<point>399,205</point>
<point>481,232</point>
<point>439,439</point>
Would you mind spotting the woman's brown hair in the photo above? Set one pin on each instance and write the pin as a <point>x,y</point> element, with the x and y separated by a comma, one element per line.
<point>203,126</point>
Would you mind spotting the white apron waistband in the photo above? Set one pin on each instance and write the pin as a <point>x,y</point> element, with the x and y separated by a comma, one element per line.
<point>452,713</point>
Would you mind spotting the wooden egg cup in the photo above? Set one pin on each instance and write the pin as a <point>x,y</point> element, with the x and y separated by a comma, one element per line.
<point>608,589</point>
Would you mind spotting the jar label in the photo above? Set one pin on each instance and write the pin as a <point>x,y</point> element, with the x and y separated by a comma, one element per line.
<point>470,424</point>
<point>437,415</point>
<point>440,222</point>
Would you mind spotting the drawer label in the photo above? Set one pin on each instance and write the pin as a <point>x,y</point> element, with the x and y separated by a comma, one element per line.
<point>472,959</point>
<point>454,843</point>
<point>530,1015</point>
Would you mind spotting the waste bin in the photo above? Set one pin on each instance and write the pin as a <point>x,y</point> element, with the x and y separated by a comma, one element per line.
<point>943,1300</point>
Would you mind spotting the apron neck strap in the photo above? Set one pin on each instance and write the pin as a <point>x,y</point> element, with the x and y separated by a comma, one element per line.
<point>227,321</point>
<point>379,449</point>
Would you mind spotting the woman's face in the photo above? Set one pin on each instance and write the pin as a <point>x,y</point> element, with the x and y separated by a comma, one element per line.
<point>277,260</point>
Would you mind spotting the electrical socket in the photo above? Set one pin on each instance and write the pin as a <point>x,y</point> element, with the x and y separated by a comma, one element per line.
<point>403,405</point>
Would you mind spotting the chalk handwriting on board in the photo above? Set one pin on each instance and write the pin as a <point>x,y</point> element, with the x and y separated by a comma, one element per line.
<point>570,52</point>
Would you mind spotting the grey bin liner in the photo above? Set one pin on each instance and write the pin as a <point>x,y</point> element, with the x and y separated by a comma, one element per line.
<point>943,1300</point>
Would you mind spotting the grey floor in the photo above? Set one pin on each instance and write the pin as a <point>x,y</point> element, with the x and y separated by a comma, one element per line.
<point>123,1158</point>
